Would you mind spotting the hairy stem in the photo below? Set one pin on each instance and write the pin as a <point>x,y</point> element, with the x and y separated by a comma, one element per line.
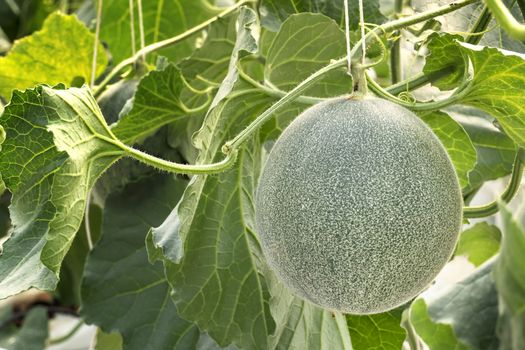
<point>178,168</point>
<point>507,195</point>
<point>506,19</point>
<point>296,92</point>
<point>163,44</point>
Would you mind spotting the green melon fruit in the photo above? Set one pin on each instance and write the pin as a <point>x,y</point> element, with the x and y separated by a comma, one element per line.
<point>358,206</point>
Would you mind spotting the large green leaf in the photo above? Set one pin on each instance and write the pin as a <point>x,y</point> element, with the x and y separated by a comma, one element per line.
<point>379,331</point>
<point>304,44</point>
<point>59,53</point>
<point>217,283</point>
<point>456,141</point>
<point>495,151</point>
<point>509,273</point>
<point>479,243</point>
<point>119,285</point>
<point>463,316</point>
<point>496,83</point>
<point>71,272</point>
<point>444,54</point>
<point>163,19</point>
<point>274,12</point>
<point>49,183</point>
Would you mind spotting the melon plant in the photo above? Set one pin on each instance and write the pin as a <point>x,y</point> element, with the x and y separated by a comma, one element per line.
<point>270,174</point>
<point>358,207</point>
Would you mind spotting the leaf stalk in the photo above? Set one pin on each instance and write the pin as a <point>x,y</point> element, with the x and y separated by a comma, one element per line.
<point>507,195</point>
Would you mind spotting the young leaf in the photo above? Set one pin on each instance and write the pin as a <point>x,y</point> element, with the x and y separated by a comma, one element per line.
<point>274,12</point>
<point>60,52</point>
<point>463,316</point>
<point>379,331</point>
<point>479,243</point>
<point>456,141</point>
<point>156,103</point>
<point>162,20</point>
<point>119,285</point>
<point>445,55</point>
<point>49,183</point>
<point>509,274</point>
<point>304,44</point>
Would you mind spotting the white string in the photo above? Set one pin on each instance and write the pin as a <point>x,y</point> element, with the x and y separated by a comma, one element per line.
<point>362,25</point>
<point>95,48</point>
<point>347,34</point>
<point>132,25</point>
<point>141,27</point>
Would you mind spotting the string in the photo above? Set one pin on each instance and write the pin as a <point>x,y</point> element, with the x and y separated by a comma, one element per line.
<point>95,48</point>
<point>141,28</point>
<point>132,25</point>
<point>347,35</point>
<point>362,25</point>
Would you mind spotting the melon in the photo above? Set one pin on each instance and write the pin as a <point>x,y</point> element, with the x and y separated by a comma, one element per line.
<point>358,206</point>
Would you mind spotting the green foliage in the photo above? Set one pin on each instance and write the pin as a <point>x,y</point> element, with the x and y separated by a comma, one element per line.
<point>274,12</point>
<point>464,316</point>
<point>67,145</point>
<point>479,243</point>
<point>199,279</point>
<point>379,331</point>
<point>59,53</point>
<point>31,336</point>
<point>292,56</point>
<point>510,282</point>
<point>163,19</point>
<point>457,142</point>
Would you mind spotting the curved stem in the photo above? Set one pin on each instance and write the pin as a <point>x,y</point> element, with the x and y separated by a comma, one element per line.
<point>275,92</point>
<point>68,335</point>
<point>506,19</point>
<point>296,92</point>
<point>178,168</point>
<point>416,106</point>
<point>162,44</point>
<point>509,193</point>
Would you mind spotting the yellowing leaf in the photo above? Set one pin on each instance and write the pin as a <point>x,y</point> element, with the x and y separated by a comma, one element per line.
<point>59,53</point>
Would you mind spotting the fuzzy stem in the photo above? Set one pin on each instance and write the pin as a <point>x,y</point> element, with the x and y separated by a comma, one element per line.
<point>172,167</point>
<point>509,193</point>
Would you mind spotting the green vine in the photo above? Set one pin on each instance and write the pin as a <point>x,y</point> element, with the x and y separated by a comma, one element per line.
<point>418,106</point>
<point>507,195</point>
